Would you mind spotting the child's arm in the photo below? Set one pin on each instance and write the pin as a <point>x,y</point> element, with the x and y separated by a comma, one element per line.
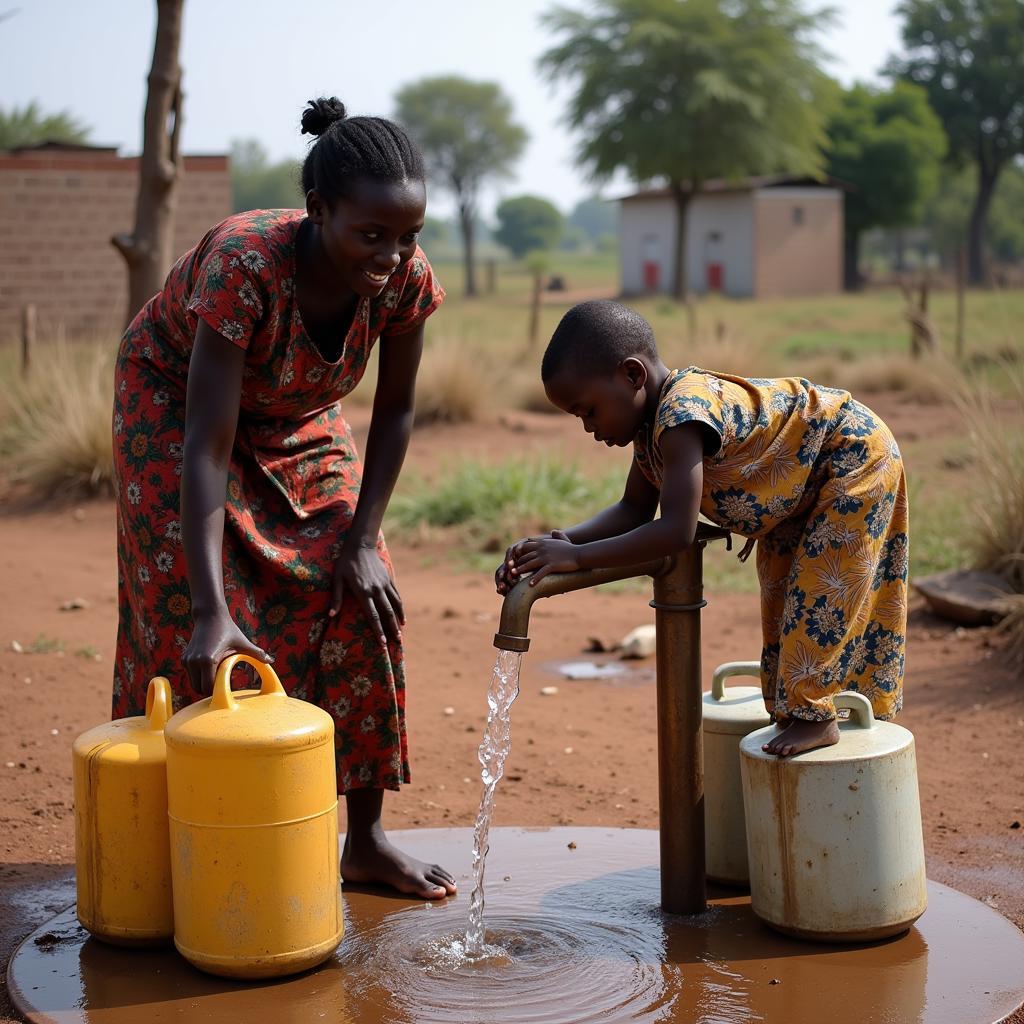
<point>682,450</point>
<point>637,505</point>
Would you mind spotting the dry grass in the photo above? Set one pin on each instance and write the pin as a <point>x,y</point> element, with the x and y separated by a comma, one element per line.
<point>997,542</point>
<point>919,380</point>
<point>1012,627</point>
<point>55,427</point>
<point>454,384</point>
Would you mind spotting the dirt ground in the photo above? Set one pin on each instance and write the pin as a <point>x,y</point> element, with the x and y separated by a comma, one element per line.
<point>585,755</point>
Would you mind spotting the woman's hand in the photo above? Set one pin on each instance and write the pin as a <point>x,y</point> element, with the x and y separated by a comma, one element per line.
<point>360,570</point>
<point>214,637</point>
<point>540,556</point>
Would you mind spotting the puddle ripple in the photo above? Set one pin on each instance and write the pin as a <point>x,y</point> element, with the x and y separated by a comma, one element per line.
<point>540,969</point>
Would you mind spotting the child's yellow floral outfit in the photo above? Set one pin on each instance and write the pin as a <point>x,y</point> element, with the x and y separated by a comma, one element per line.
<point>817,478</point>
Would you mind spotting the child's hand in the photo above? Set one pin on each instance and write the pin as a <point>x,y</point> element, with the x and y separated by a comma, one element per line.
<point>508,574</point>
<point>540,556</point>
<point>505,577</point>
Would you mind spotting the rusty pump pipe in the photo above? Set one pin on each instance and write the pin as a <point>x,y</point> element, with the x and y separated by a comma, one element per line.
<point>678,599</point>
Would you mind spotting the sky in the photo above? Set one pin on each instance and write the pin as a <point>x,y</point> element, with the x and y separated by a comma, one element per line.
<point>250,65</point>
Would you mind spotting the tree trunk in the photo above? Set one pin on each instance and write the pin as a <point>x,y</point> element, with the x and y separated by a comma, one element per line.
<point>682,198</point>
<point>148,250</point>
<point>851,260</point>
<point>468,256</point>
<point>988,175</point>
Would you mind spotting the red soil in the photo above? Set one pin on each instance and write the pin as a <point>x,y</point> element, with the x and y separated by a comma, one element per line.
<point>584,756</point>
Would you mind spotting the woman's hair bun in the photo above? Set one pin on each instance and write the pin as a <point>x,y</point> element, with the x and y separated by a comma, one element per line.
<point>320,114</point>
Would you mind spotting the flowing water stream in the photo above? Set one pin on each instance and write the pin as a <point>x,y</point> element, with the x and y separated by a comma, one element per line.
<point>494,750</point>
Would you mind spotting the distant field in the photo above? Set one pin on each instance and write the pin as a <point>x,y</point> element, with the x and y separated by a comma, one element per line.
<point>855,341</point>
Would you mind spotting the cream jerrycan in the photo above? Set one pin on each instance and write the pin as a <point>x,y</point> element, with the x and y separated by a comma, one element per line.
<point>122,850</point>
<point>834,834</point>
<point>253,810</point>
<point>728,715</point>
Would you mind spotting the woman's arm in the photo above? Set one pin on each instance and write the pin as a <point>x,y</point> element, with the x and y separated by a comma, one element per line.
<point>211,419</point>
<point>359,567</point>
<point>682,451</point>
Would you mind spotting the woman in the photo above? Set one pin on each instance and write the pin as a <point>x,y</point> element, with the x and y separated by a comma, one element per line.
<point>246,523</point>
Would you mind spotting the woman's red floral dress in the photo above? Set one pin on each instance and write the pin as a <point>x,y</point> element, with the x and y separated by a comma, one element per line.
<point>292,486</point>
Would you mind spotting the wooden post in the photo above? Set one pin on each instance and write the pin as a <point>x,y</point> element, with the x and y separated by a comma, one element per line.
<point>961,286</point>
<point>28,336</point>
<point>534,331</point>
<point>492,276</point>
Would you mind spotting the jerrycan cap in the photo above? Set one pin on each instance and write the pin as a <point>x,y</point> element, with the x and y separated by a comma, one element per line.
<point>739,709</point>
<point>861,737</point>
<point>266,717</point>
<point>136,739</point>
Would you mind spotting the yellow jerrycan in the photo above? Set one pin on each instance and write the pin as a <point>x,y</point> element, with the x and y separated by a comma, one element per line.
<point>122,849</point>
<point>253,810</point>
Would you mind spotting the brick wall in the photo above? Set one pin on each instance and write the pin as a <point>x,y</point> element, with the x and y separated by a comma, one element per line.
<point>58,209</point>
<point>798,235</point>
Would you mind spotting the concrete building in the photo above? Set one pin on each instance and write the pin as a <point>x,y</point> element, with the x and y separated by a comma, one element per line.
<point>758,238</point>
<point>59,205</point>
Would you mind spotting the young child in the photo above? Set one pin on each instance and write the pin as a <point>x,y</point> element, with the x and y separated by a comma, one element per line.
<point>811,474</point>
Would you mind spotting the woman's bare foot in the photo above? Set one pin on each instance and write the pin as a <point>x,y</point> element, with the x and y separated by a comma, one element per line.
<point>799,736</point>
<point>371,859</point>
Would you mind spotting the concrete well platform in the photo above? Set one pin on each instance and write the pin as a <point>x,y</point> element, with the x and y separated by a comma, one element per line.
<point>581,937</point>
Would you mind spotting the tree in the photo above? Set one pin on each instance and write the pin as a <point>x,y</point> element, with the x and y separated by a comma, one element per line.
<point>526,223</point>
<point>889,146</point>
<point>257,184</point>
<point>689,90</point>
<point>595,216</point>
<point>29,126</point>
<point>147,250</point>
<point>967,55</point>
<point>948,215</point>
<point>468,136</point>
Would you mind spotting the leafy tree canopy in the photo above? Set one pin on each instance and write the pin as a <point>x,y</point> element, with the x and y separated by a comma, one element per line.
<point>888,145</point>
<point>595,216</point>
<point>967,54</point>
<point>528,223</point>
<point>29,126</point>
<point>689,90</point>
<point>258,184</point>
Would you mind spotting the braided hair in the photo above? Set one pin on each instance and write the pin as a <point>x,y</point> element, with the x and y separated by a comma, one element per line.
<point>350,148</point>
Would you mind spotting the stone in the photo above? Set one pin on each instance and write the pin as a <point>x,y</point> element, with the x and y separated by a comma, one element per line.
<point>965,596</point>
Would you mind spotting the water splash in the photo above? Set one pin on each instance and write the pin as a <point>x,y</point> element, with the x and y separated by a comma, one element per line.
<point>493,751</point>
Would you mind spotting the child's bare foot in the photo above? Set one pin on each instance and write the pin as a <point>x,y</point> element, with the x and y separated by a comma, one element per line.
<point>371,859</point>
<point>799,736</point>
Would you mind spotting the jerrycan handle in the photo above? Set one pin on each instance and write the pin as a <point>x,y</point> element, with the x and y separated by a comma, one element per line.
<point>859,705</point>
<point>158,703</point>
<point>222,697</point>
<point>732,668</point>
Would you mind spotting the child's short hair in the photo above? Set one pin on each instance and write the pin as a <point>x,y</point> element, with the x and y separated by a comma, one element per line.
<point>594,337</point>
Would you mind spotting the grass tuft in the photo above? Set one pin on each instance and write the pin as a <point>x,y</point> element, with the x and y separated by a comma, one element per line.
<point>996,536</point>
<point>480,508</point>
<point>451,386</point>
<point>55,429</point>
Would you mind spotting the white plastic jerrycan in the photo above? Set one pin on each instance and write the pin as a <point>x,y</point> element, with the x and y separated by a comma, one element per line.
<point>834,835</point>
<point>729,714</point>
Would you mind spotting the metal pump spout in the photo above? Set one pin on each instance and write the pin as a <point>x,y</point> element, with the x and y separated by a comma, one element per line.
<point>513,629</point>
<point>678,599</point>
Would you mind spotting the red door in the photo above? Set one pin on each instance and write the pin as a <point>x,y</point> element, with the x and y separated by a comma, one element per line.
<point>716,277</point>
<point>651,275</point>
